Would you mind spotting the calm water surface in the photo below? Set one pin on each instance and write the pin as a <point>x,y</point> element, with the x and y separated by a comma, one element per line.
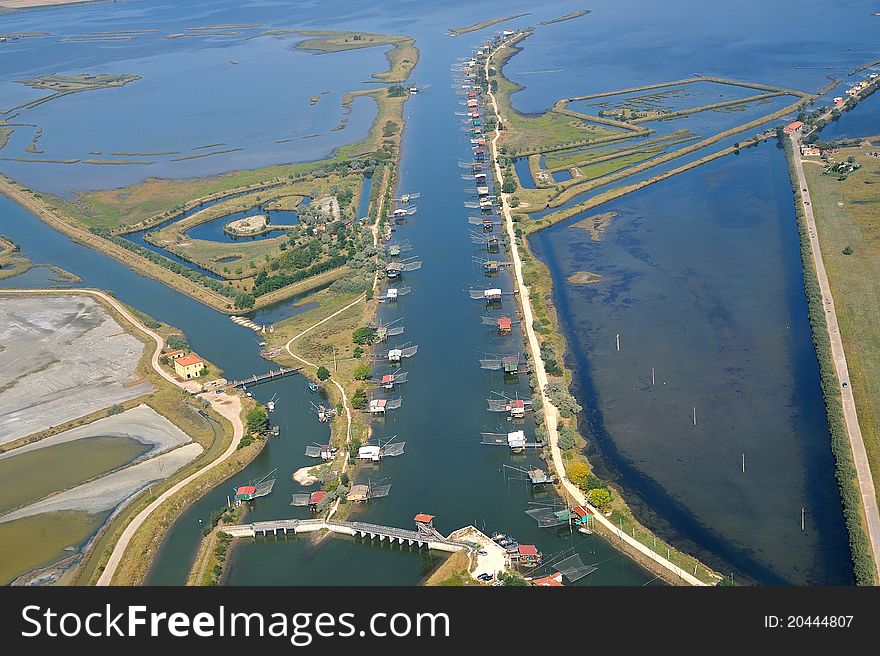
<point>700,275</point>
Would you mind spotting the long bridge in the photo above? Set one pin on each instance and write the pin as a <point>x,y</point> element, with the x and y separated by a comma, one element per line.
<point>425,537</point>
<point>260,378</point>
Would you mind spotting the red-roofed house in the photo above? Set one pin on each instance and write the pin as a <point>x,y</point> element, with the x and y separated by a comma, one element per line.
<point>316,497</point>
<point>793,127</point>
<point>189,366</point>
<point>528,554</point>
<point>245,493</point>
<point>552,581</point>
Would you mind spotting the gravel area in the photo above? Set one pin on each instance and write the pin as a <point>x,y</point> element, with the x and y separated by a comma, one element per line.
<point>141,423</point>
<point>61,357</point>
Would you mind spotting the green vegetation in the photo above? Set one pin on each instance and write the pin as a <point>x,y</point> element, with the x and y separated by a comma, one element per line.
<point>12,260</point>
<point>362,372</point>
<point>323,373</point>
<point>257,420</point>
<point>845,222</point>
<point>268,270</point>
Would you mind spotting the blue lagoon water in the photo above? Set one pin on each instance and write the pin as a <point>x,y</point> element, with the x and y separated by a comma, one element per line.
<point>700,274</point>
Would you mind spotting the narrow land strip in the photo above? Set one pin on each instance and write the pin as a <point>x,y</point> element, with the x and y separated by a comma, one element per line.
<point>551,416</point>
<point>850,416</point>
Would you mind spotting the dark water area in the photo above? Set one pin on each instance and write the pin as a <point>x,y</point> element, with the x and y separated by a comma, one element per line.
<point>863,121</point>
<point>701,273</point>
<point>521,165</point>
<point>706,289</point>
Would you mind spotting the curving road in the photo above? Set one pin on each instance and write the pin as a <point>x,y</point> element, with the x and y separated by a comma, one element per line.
<point>228,406</point>
<point>551,413</point>
<point>851,419</point>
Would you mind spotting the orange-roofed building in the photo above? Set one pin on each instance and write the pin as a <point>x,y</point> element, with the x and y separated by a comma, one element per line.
<point>552,581</point>
<point>793,127</point>
<point>189,366</point>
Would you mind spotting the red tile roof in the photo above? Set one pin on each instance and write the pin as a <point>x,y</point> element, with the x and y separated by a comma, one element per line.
<point>552,581</point>
<point>528,550</point>
<point>317,496</point>
<point>187,360</point>
<point>246,489</point>
<point>423,518</point>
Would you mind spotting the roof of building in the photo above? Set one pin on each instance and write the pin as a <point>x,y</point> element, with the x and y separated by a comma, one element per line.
<point>581,511</point>
<point>317,496</point>
<point>795,125</point>
<point>388,378</point>
<point>504,322</point>
<point>173,354</point>
<point>246,489</point>
<point>188,360</point>
<point>518,403</point>
<point>527,550</point>
<point>423,518</point>
<point>551,581</point>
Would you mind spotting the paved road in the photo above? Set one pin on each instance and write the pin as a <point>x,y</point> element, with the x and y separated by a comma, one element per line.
<point>853,431</point>
<point>551,413</point>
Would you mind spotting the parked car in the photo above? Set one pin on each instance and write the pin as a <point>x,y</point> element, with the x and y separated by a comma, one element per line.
<point>485,576</point>
<point>482,552</point>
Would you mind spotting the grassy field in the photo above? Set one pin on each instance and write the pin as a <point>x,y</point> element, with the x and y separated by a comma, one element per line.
<point>453,572</point>
<point>551,129</point>
<point>847,214</point>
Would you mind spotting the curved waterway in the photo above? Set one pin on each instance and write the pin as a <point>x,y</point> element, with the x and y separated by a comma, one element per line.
<point>701,277</point>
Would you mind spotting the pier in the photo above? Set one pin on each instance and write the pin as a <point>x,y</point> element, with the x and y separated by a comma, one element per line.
<point>426,537</point>
<point>261,378</point>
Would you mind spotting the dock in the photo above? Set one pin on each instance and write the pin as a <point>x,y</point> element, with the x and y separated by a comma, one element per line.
<point>425,537</point>
<point>261,378</point>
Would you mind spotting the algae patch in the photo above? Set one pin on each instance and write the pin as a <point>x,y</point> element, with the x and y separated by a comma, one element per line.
<point>584,278</point>
<point>596,224</point>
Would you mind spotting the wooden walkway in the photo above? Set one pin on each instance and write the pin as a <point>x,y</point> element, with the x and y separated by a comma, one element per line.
<point>261,378</point>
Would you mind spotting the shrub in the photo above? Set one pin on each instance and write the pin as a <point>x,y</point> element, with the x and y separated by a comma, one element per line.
<point>257,419</point>
<point>599,497</point>
<point>177,342</point>
<point>323,373</point>
<point>114,409</point>
<point>560,397</point>
<point>359,399</point>
<point>567,438</point>
<point>578,473</point>
<point>362,371</point>
<point>848,250</point>
<point>247,440</point>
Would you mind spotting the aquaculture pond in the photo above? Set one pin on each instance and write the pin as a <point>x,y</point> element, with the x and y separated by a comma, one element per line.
<point>279,220</point>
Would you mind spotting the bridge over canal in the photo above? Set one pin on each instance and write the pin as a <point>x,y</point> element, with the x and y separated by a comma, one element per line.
<point>424,537</point>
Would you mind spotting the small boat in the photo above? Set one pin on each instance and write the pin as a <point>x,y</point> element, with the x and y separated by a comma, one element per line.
<point>275,431</point>
<point>313,387</point>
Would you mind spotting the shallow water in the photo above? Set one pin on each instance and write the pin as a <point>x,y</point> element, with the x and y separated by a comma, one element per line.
<point>705,289</point>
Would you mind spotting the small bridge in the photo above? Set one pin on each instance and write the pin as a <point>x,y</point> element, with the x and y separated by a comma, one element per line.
<point>261,378</point>
<point>425,537</point>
